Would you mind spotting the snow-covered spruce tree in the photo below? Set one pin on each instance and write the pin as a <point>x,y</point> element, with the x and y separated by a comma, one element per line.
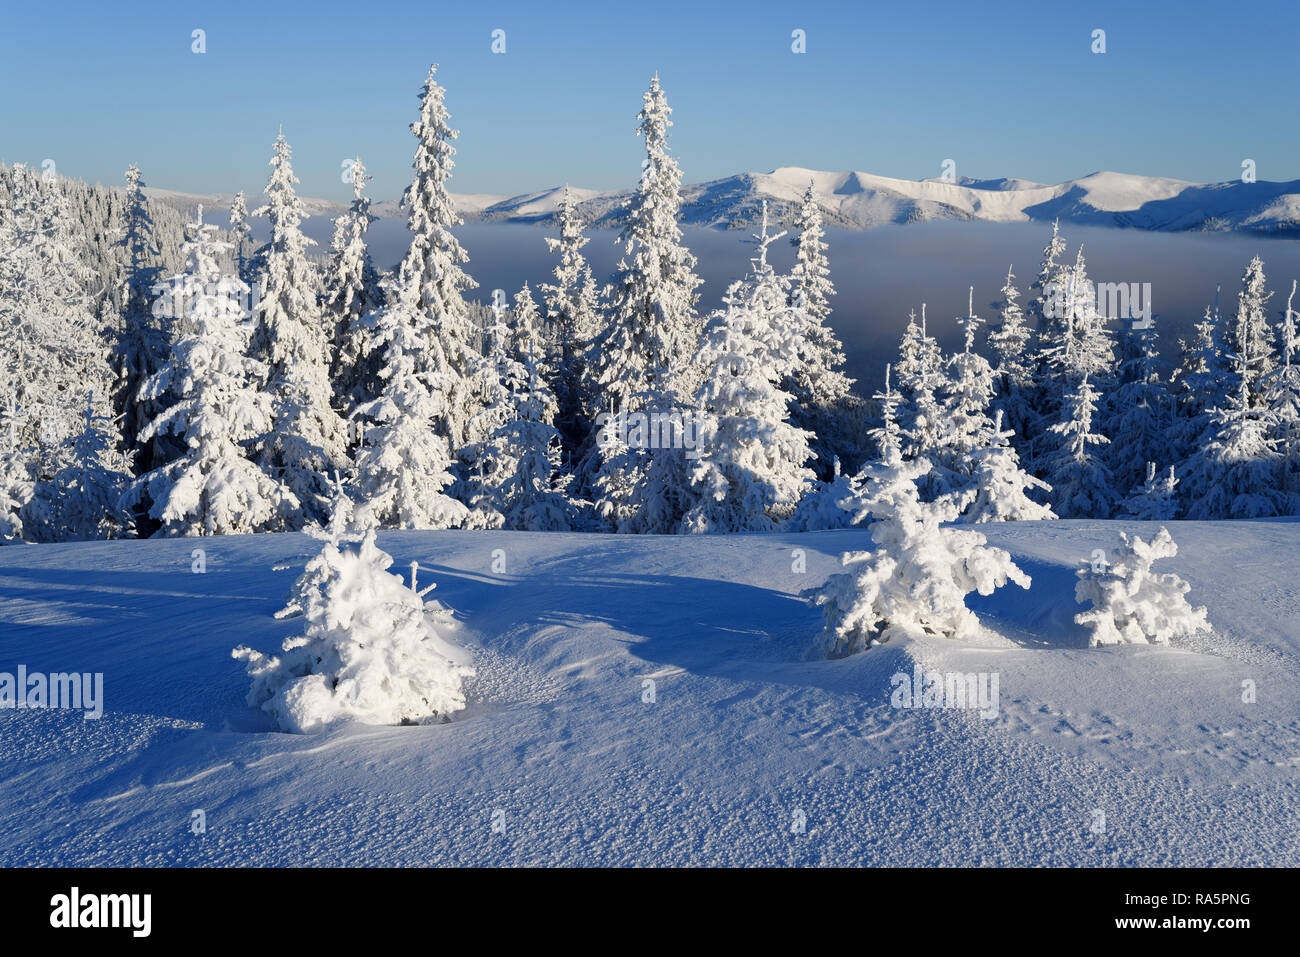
<point>968,390</point>
<point>215,407</point>
<point>83,498</point>
<point>573,313</point>
<point>527,337</point>
<point>513,474</point>
<point>370,649</point>
<point>351,294</point>
<point>1154,500</point>
<point>307,442</point>
<point>751,464</point>
<point>1131,605</point>
<point>1074,343</point>
<point>825,505</point>
<point>536,497</point>
<point>642,359</point>
<point>916,581</point>
<point>1013,362</point>
<point>1201,383</point>
<point>1250,336</point>
<point>1140,412</point>
<point>430,281</point>
<point>1235,472</point>
<point>484,465</point>
<point>240,233</point>
<point>1081,483</point>
<point>643,477</point>
<point>1077,342</point>
<point>1041,309</point>
<point>16,485</point>
<point>823,403</point>
<point>810,278</point>
<point>889,435</point>
<point>403,465</point>
<point>1001,486</point>
<point>55,350</point>
<point>141,347</point>
<point>652,330</point>
<point>1283,395</point>
<point>837,504</point>
<point>921,380</point>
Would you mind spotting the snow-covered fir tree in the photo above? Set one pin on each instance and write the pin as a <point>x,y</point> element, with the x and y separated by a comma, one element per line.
<point>82,500</point>
<point>1130,604</point>
<point>403,466</point>
<point>1155,498</point>
<point>1283,396</point>
<point>527,335</point>
<point>1049,269</point>
<point>16,485</point>
<point>1012,360</point>
<point>430,283</point>
<point>56,351</point>
<point>573,313</point>
<point>351,294</point>
<point>1076,342</point>
<point>1073,342</point>
<point>1140,411</point>
<point>915,582</point>
<point>1001,486</point>
<point>751,464</point>
<point>968,389</point>
<point>810,277</point>
<point>825,505</point>
<point>371,648</point>
<point>837,504</point>
<point>921,380</point>
<point>1074,465</point>
<point>889,435</point>
<point>1235,472</point>
<point>823,401</point>
<point>1250,337</point>
<point>240,235</point>
<point>308,441</point>
<point>513,474</point>
<point>215,406</point>
<point>141,346</point>
<point>652,329</point>
<point>1200,382</point>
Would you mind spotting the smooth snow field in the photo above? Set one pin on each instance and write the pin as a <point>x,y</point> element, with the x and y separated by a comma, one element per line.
<point>742,751</point>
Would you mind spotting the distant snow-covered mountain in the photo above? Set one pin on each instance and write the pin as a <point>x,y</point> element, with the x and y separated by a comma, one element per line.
<point>856,200</point>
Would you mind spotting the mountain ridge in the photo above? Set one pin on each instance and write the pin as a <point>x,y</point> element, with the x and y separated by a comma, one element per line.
<point>858,200</point>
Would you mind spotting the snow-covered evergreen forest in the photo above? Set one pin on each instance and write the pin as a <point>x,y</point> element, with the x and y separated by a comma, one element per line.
<point>165,377</point>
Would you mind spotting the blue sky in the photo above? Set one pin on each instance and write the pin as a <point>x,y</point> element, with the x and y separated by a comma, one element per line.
<point>1184,89</point>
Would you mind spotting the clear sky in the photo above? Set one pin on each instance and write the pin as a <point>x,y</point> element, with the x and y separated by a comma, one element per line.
<point>1184,89</point>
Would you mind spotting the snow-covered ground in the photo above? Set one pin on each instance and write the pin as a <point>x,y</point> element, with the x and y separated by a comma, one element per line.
<point>1115,756</point>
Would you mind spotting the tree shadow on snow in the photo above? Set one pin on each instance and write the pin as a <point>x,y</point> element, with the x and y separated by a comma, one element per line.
<point>1043,616</point>
<point>703,626</point>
